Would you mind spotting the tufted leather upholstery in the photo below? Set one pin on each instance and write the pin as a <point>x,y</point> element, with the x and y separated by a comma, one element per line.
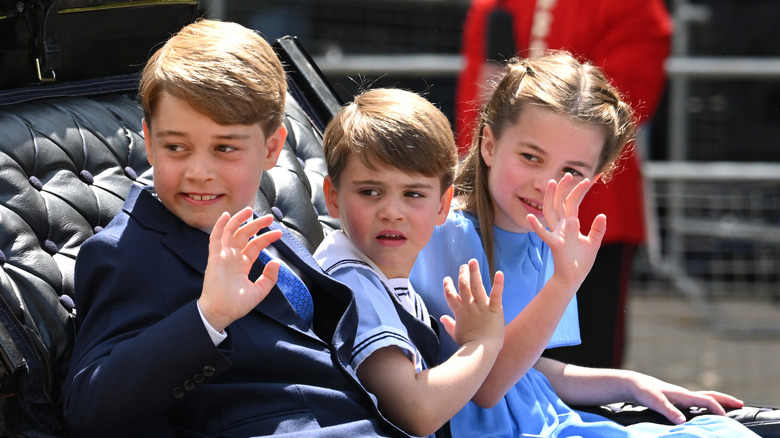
<point>66,165</point>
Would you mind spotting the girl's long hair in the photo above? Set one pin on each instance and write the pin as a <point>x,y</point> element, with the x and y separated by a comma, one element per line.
<point>557,81</point>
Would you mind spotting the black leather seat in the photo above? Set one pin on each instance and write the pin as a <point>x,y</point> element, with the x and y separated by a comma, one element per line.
<point>66,164</point>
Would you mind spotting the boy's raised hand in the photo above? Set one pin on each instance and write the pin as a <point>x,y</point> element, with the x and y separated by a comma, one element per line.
<point>477,316</point>
<point>228,293</point>
<point>573,253</point>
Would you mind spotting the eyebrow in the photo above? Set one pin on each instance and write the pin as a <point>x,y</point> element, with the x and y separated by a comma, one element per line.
<point>379,183</point>
<point>175,133</point>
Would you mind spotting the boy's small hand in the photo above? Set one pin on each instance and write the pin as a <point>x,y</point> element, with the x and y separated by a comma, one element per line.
<point>228,293</point>
<point>573,253</point>
<point>477,316</point>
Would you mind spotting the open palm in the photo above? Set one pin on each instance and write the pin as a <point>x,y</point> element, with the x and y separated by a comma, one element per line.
<point>228,292</point>
<point>573,253</point>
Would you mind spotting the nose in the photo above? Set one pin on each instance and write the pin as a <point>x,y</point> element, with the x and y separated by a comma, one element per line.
<point>542,178</point>
<point>199,167</point>
<point>390,208</point>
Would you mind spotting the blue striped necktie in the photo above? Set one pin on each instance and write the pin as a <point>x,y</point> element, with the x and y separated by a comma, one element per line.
<point>293,288</point>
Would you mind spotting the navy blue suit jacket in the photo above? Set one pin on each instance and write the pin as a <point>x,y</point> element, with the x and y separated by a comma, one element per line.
<point>144,365</point>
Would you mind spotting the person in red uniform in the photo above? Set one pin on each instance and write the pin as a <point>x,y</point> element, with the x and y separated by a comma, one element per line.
<point>629,40</point>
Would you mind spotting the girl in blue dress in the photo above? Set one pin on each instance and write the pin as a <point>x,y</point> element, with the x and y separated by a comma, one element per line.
<point>551,128</point>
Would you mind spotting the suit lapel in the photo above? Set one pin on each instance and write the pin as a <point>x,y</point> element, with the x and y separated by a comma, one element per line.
<point>335,315</point>
<point>189,244</point>
<point>292,249</point>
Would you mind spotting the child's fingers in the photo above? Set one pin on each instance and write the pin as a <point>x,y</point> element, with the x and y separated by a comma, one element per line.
<point>255,246</point>
<point>548,207</point>
<point>234,224</point>
<point>249,228</point>
<point>562,193</point>
<point>537,226</point>
<point>597,229</point>
<point>449,325</point>
<point>497,293</point>
<point>269,276</point>
<point>216,234</point>
<point>451,294</point>
<point>724,399</point>
<point>464,283</point>
<point>671,412</point>
<point>575,197</point>
<point>476,288</point>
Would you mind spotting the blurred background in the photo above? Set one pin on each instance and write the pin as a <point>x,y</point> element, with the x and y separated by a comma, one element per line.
<point>704,301</point>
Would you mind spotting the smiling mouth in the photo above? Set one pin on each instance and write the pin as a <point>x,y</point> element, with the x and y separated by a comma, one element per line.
<point>202,197</point>
<point>532,204</point>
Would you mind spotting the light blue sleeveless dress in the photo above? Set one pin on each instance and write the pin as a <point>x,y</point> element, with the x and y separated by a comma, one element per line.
<point>531,408</point>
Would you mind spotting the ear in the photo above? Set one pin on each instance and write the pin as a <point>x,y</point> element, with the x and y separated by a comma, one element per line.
<point>148,142</point>
<point>488,145</point>
<point>273,147</point>
<point>331,197</point>
<point>444,206</point>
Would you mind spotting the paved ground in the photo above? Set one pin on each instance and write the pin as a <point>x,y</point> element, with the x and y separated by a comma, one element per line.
<point>668,340</point>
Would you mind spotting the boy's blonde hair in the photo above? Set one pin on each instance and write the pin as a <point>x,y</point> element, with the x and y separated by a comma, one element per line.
<point>557,81</point>
<point>223,70</point>
<point>393,127</point>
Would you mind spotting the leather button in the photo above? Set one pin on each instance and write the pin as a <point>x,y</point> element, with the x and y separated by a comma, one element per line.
<point>189,385</point>
<point>278,215</point>
<point>50,247</point>
<point>86,177</point>
<point>178,392</point>
<point>209,370</point>
<point>67,302</point>
<point>130,173</point>
<point>36,183</point>
<point>198,378</point>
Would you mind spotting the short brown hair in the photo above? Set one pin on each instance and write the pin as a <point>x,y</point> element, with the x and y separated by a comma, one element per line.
<point>224,70</point>
<point>393,127</point>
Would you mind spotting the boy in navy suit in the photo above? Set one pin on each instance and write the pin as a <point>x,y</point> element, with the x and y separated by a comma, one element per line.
<point>184,329</point>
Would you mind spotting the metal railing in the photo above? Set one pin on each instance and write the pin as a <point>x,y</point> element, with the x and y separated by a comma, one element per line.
<point>713,227</point>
